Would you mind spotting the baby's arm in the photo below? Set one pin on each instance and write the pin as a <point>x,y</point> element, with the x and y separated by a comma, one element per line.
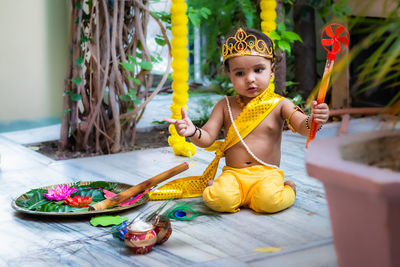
<point>319,113</point>
<point>202,137</point>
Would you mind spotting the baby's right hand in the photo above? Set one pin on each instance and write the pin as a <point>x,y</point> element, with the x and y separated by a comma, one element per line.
<point>184,126</point>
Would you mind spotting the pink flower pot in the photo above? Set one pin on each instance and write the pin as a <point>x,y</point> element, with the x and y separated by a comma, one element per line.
<point>363,201</point>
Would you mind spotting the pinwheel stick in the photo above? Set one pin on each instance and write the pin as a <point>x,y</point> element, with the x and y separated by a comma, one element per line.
<point>321,95</point>
<point>333,41</point>
<point>134,190</point>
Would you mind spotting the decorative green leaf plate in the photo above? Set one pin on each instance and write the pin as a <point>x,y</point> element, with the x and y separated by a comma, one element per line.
<point>119,187</point>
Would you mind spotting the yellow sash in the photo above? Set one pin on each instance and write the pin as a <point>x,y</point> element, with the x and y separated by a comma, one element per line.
<point>251,116</point>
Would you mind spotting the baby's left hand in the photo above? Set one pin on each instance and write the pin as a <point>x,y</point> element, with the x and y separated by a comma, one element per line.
<point>320,112</point>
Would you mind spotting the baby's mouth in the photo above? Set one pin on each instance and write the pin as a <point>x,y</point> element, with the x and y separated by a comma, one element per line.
<point>252,89</point>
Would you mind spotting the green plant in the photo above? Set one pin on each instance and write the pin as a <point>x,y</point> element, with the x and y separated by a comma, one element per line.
<point>218,19</point>
<point>222,85</point>
<point>383,65</point>
<point>284,39</point>
<point>133,66</point>
<point>221,18</point>
<point>204,111</point>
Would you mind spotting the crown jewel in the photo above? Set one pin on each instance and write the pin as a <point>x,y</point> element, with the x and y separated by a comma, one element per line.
<point>243,44</point>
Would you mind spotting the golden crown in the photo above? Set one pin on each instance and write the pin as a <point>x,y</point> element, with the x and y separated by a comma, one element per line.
<point>243,44</point>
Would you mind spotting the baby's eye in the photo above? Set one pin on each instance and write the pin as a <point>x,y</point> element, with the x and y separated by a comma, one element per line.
<point>239,73</point>
<point>258,70</point>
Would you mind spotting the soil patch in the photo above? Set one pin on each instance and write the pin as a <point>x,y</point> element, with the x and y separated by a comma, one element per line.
<point>156,137</point>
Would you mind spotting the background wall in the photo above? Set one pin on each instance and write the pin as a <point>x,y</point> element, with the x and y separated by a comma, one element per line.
<point>33,59</point>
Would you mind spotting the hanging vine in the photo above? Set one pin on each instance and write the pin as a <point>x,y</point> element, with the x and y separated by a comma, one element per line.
<point>108,82</point>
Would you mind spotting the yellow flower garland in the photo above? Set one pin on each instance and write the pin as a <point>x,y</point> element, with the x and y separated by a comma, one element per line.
<point>180,76</point>
<point>268,24</point>
<point>268,16</point>
<point>180,65</point>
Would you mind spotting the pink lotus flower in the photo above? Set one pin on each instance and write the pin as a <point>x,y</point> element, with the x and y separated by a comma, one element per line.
<point>60,193</point>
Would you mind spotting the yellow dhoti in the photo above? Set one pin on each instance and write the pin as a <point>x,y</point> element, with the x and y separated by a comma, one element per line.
<point>260,188</point>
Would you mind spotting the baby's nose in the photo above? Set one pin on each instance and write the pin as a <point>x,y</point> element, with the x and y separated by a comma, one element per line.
<point>250,78</point>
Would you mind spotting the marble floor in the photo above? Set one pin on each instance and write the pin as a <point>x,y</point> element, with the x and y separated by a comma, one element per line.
<point>302,232</point>
<point>299,236</point>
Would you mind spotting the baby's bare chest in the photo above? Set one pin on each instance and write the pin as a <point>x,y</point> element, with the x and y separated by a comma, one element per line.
<point>270,127</point>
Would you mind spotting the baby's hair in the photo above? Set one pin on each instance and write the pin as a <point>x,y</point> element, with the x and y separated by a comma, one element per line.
<point>259,35</point>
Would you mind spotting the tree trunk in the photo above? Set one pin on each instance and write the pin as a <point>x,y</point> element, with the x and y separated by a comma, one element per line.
<point>305,53</point>
<point>108,50</point>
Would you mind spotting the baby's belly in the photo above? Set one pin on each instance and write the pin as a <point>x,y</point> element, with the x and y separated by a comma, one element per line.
<point>238,157</point>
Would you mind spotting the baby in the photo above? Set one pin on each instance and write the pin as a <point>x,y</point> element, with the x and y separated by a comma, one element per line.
<point>253,122</point>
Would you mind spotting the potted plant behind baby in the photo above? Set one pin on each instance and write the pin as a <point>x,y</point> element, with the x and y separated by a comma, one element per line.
<point>361,172</point>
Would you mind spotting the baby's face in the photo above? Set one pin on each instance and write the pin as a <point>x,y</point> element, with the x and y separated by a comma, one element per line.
<point>250,75</point>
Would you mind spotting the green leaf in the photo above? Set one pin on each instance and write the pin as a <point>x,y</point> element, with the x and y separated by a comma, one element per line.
<point>127,66</point>
<point>153,59</point>
<point>132,59</point>
<point>85,39</point>
<point>145,65</point>
<point>57,207</point>
<point>67,93</point>
<point>35,195</point>
<point>162,15</point>
<point>284,45</point>
<point>205,12</point>
<point>194,19</point>
<point>38,205</point>
<point>159,39</point>
<point>125,97</point>
<point>79,61</point>
<point>104,185</point>
<point>96,193</point>
<point>77,81</point>
<point>274,35</point>
<point>159,122</point>
<point>291,37</point>
<point>76,97</point>
<point>101,184</point>
<point>281,27</point>
<point>291,83</point>
<point>35,199</point>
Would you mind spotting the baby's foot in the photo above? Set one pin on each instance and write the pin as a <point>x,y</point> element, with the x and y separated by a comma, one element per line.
<point>209,183</point>
<point>292,185</point>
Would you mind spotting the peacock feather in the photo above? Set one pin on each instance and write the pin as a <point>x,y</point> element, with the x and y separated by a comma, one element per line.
<point>188,210</point>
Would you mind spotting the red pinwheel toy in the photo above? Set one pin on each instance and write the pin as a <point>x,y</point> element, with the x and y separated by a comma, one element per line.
<point>334,38</point>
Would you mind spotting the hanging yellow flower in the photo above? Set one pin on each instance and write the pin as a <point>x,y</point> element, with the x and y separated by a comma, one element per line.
<point>268,16</point>
<point>268,24</point>
<point>180,76</point>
